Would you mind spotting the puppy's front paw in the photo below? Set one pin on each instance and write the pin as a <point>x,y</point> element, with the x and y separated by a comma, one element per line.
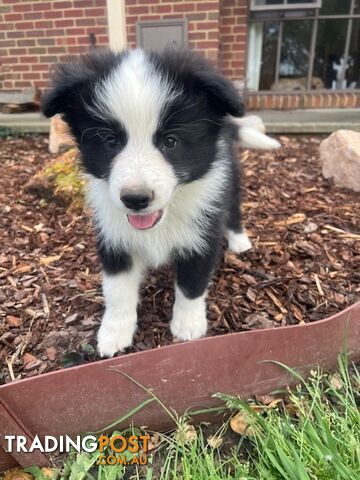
<point>115,335</point>
<point>238,242</point>
<point>188,326</point>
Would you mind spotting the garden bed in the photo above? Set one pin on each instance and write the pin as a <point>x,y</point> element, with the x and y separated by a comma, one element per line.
<point>304,265</point>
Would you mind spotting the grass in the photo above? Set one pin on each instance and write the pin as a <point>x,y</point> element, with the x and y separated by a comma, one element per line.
<point>312,432</point>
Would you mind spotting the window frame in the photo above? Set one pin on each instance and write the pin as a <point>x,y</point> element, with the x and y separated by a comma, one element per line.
<point>285,6</point>
<point>315,17</point>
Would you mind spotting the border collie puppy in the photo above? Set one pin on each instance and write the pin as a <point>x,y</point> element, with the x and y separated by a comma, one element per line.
<point>157,146</point>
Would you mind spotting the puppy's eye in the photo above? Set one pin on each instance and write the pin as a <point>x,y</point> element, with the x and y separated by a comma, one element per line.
<point>110,139</point>
<point>170,143</point>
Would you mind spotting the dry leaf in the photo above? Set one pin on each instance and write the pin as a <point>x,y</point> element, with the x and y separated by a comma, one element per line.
<point>214,441</point>
<point>240,424</point>
<point>12,321</point>
<point>49,260</point>
<point>186,434</point>
<point>17,474</point>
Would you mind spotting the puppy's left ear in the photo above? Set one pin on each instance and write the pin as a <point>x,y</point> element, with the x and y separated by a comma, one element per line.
<point>221,93</point>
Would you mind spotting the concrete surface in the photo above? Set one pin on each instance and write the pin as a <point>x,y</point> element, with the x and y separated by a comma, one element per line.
<point>276,121</point>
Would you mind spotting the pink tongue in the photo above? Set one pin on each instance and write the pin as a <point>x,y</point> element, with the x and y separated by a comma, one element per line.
<point>142,222</point>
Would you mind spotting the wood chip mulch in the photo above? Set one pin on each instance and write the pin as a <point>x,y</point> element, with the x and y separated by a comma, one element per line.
<point>305,264</point>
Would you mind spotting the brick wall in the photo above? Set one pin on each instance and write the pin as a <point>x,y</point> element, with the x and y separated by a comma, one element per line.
<point>290,101</point>
<point>37,34</point>
<point>233,33</point>
<point>202,16</point>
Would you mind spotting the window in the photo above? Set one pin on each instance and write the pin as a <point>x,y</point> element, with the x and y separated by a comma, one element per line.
<point>304,49</point>
<point>281,4</point>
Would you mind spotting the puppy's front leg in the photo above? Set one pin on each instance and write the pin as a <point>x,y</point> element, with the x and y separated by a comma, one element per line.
<point>120,288</point>
<point>189,312</point>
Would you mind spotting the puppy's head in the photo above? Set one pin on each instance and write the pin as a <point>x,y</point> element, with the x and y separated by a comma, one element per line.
<point>144,123</point>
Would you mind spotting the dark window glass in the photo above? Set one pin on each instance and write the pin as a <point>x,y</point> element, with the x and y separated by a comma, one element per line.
<point>352,75</point>
<point>295,50</point>
<point>357,7</point>
<point>268,54</point>
<point>335,7</point>
<point>329,52</point>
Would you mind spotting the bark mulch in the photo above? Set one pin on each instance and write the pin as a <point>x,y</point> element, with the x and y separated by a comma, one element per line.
<point>304,266</point>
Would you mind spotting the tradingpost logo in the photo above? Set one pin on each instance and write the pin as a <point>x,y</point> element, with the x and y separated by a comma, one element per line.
<point>112,449</point>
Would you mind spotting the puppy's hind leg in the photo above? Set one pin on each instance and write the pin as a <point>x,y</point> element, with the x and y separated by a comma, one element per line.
<point>121,279</point>
<point>238,241</point>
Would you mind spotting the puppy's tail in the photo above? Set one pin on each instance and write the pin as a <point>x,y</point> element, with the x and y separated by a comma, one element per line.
<point>252,138</point>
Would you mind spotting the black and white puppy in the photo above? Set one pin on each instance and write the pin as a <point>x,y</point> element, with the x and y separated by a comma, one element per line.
<point>157,146</point>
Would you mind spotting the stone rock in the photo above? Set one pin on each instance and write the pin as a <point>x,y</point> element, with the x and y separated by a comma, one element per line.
<point>340,157</point>
<point>60,135</point>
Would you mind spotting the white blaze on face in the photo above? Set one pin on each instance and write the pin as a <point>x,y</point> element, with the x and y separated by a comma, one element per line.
<point>135,95</point>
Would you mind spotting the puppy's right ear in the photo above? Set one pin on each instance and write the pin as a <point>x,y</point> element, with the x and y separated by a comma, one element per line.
<point>67,80</point>
<point>70,79</point>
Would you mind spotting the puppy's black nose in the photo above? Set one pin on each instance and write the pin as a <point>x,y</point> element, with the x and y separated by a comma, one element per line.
<point>136,199</point>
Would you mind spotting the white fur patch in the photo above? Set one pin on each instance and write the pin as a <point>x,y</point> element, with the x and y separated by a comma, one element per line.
<point>238,242</point>
<point>119,321</point>
<point>183,222</point>
<point>189,317</point>
<point>252,138</point>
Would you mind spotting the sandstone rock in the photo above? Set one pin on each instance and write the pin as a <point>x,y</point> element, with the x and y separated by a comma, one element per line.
<point>60,135</point>
<point>340,157</point>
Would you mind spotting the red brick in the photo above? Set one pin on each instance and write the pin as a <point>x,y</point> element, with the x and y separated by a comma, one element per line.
<point>33,16</point>
<point>227,20</point>
<point>53,14</point>
<point>137,10</point>
<point>83,40</point>
<point>13,17</point>
<point>34,33</point>
<point>85,3</point>
<point>10,60</point>
<point>96,30</point>
<point>28,59</point>
<point>161,8</point>
<point>74,13</point>
<point>24,25</point>
<point>206,25</point>
<point>26,43</point>
<point>66,41</point>
<point>85,22</point>
<point>46,41</point>
<point>184,7</point>
<point>38,67</point>
<point>152,17</point>
<point>17,51</point>
<point>54,32</point>
<point>75,31</point>
<point>56,50</point>
<point>62,5</point>
<point>44,24</point>
<point>24,7</point>
<point>64,23</point>
<point>41,6</point>
<point>22,84</point>
<point>15,34</point>
<point>20,68</point>
<point>207,44</point>
<point>94,12</point>
<point>197,36</point>
<point>206,6</point>
<point>6,26</point>
<point>31,76</point>
<point>37,50</point>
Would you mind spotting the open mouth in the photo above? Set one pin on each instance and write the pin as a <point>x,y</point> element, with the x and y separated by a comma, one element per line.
<point>144,221</point>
